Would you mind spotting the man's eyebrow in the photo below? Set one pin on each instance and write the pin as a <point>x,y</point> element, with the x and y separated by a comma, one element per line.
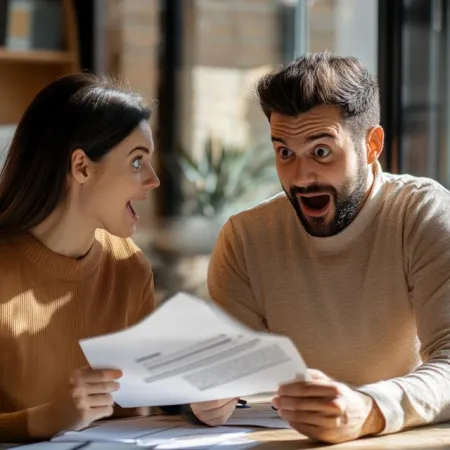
<point>316,137</point>
<point>310,139</point>
<point>278,139</point>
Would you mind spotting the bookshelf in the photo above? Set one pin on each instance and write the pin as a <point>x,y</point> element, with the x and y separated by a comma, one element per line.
<point>24,72</point>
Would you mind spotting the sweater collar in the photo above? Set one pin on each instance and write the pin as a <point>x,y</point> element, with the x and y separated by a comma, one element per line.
<point>59,266</point>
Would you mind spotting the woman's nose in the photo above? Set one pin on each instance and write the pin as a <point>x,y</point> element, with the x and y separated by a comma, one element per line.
<point>152,181</point>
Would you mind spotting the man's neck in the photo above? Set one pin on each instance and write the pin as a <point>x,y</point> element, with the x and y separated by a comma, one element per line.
<point>369,186</point>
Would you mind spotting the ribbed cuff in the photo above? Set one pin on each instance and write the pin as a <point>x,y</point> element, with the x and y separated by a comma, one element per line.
<point>14,427</point>
<point>388,396</point>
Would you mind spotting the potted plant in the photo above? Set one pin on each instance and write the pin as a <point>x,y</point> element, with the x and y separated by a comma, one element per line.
<point>221,182</point>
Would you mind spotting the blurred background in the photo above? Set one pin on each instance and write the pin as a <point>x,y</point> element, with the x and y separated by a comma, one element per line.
<point>197,62</point>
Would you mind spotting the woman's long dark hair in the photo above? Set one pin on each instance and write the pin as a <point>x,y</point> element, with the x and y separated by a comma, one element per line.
<point>76,111</point>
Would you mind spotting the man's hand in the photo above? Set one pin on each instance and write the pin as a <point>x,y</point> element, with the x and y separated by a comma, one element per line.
<point>328,411</point>
<point>215,412</point>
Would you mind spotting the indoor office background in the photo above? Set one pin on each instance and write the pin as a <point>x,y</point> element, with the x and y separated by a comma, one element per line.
<point>197,62</point>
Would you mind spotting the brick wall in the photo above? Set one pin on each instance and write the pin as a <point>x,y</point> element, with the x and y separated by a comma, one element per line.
<point>232,43</point>
<point>228,43</point>
<point>237,33</point>
<point>133,39</point>
<point>140,43</point>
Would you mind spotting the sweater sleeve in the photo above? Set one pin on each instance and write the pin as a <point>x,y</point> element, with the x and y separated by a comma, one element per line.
<point>423,396</point>
<point>228,282</point>
<point>14,427</point>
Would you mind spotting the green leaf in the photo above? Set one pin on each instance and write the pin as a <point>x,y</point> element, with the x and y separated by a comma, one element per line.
<point>225,175</point>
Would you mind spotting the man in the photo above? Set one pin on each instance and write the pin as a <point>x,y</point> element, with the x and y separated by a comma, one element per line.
<point>351,263</point>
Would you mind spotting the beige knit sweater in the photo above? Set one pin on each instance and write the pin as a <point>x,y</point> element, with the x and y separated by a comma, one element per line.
<point>369,306</point>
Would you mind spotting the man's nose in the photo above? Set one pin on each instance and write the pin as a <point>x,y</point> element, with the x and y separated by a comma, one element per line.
<point>304,173</point>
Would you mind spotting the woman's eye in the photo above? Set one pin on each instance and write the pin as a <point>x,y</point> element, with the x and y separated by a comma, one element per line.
<point>137,163</point>
<point>285,153</point>
<point>321,152</point>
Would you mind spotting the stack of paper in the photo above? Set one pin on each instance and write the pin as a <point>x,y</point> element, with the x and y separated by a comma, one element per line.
<point>154,431</point>
<point>175,432</point>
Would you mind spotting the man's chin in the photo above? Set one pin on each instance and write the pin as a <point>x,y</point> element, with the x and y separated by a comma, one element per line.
<point>321,226</point>
<point>318,227</point>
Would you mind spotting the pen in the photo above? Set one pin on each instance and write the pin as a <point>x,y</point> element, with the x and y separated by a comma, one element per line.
<point>242,404</point>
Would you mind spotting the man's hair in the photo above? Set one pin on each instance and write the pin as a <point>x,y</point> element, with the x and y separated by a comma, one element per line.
<point>323,79</point>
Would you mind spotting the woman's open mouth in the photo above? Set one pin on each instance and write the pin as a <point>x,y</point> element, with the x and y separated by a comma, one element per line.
<point>132,211</point>
<point>315,205</point>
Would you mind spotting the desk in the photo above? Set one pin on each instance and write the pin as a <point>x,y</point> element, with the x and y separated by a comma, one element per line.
<point>430,438</point>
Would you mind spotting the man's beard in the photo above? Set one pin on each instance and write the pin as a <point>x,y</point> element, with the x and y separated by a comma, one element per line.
<point>346,202</point>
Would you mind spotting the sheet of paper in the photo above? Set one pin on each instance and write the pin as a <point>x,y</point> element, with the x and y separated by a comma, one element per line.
<point>208,443</point>
<point>44,446</point>
<point>189,350</point>
<point>78,446</point>
<point>152,432</point>
<point>257,415</point>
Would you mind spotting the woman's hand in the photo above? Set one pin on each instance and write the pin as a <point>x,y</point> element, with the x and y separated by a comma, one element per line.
<point>86,399</point>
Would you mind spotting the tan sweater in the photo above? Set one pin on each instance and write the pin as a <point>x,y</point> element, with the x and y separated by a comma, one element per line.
<point>355,304</point>
<point>47,303</point>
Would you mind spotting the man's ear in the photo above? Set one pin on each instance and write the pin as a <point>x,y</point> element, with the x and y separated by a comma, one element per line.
<point>374,143</point>
<point>80,166</point>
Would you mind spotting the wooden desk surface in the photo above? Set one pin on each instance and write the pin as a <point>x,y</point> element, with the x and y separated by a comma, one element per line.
<point>431,438</point>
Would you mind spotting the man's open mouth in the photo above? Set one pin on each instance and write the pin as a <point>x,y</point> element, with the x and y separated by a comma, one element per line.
<point>131,210</point>
<point>315,205</point>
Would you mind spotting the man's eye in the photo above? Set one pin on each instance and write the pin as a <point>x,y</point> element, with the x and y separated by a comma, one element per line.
<point>285,153</point>
<point>137,163</point>
<point>321,152</point>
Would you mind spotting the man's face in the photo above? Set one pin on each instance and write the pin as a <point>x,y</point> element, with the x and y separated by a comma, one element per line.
<point>323,170</point>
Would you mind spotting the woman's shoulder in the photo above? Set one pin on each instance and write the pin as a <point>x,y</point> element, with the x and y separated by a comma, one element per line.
<point>8,250</point>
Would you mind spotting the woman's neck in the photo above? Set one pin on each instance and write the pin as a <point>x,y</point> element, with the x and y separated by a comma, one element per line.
<point>65,233</point>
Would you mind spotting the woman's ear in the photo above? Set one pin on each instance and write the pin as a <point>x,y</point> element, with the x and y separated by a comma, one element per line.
<point>79,166</point>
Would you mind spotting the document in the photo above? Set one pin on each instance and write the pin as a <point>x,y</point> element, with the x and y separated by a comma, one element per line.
<point>189,350</point>
<point>155,432</point>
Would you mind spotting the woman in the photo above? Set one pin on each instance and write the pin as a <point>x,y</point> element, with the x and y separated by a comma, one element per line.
<point>80,157</point>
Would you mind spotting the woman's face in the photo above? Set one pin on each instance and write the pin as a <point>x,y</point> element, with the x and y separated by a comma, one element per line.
<point>106,189</point>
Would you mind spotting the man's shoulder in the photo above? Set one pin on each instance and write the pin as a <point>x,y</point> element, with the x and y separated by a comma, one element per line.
<point>421,204</point>
<point>414,189</point>
<point>124,251</point>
